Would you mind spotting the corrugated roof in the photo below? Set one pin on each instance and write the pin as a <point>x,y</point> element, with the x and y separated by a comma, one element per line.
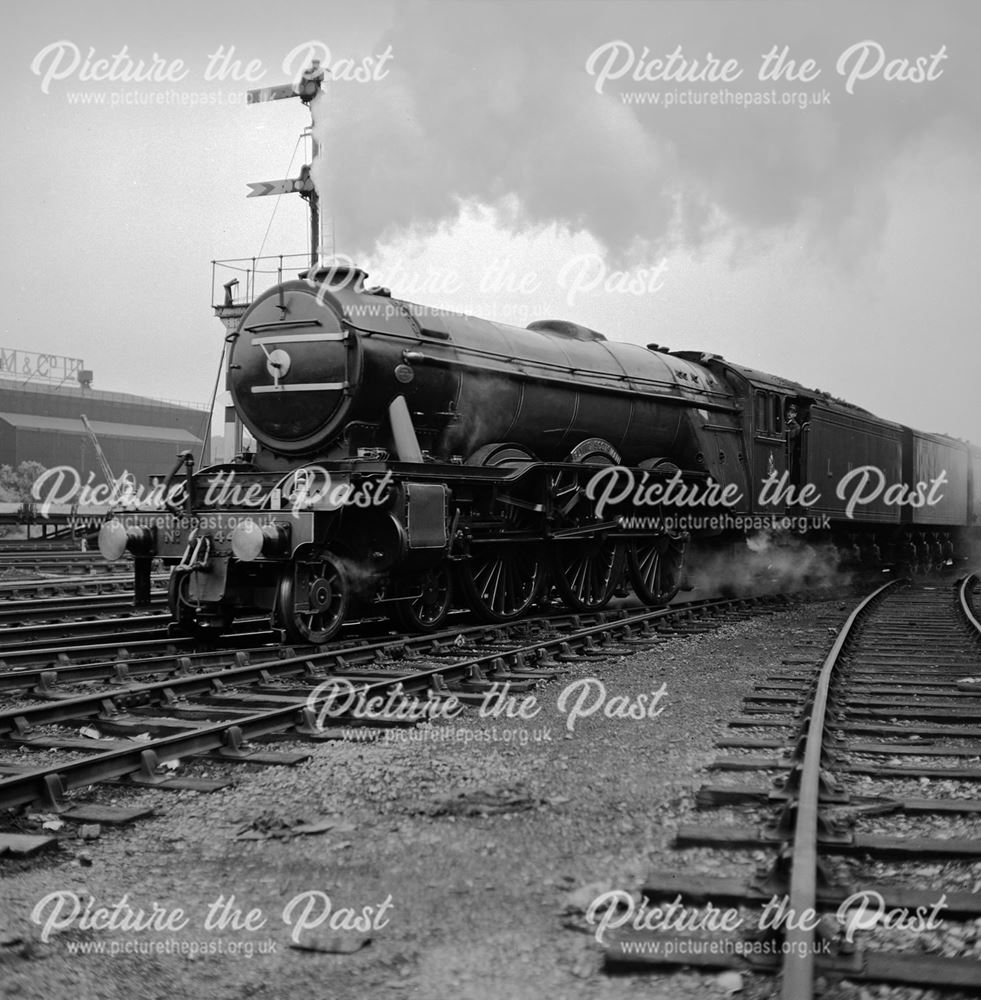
<point>102,428</point>
<point>14,383</point>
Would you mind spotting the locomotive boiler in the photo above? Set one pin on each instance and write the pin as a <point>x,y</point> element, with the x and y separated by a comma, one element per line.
<point>315,368</point>
<point>414,460</point>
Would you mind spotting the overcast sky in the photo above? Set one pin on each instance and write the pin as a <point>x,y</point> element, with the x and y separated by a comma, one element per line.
<point>502,159</point>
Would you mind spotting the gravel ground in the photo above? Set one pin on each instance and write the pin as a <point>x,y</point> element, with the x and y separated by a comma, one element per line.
<point>474,859</point>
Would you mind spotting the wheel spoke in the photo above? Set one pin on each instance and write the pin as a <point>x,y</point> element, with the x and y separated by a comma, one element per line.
<point>510,590</point>
<point>428,603</point>
<point>655,568</point>
<point>587,573</point>
<point>501,586</point>
<point>312,600</point>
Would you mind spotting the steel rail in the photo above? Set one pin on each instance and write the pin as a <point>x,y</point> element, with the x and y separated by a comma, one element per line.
<point>122,664</point>
<point>168,655</point>
<point>52,642</point>
<point>10,546</point>
<point>964,595</point>
<point>16,660</point>
<point>352,655</point>
<point>79,580</point>
<point>51,782</point>
<point>146,621</point>
<point>95,662</point>
<point>79,604</point>
<point>798,961</point>
<point>136,641</point>
<point>48,555</point>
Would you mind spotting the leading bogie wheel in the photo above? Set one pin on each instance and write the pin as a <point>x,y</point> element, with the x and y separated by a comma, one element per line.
<point>312,600</point>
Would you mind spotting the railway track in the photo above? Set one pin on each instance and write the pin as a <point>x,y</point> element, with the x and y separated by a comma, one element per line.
<point>892,712</point>
<point>53,638</point>
<point>67,609</point>
<point>35,628</point>
<point>22,549</point>
<point>146,638</point>
<point>37,660</point>
<point>44,561</point>
<point>222,713</point>
<point>55,586</point>
<point>40,670</point>
<point>26,547</point>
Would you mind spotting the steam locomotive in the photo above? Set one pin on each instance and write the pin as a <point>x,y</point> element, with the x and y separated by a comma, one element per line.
<point>415,460</point>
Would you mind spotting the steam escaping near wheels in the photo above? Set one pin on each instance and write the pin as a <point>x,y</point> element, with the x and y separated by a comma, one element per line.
<point>765,563</point>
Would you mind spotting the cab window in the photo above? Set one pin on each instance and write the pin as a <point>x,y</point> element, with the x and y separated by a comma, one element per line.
<point>768,412</point>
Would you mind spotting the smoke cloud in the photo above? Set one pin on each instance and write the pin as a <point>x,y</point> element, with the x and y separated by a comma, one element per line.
<point>766,563</point>
<point>492,104</point>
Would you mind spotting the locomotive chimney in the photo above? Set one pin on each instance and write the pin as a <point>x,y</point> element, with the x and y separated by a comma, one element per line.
<point>337,276</point>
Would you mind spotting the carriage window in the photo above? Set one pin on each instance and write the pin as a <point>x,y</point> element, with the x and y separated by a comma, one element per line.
<point>761,408</point>
<point>777,415</point>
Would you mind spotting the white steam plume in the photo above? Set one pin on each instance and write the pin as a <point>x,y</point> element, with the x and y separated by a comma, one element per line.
<point>489,104</point>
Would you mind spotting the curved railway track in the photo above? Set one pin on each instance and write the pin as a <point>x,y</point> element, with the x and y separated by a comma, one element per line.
<point>890,629</point>
<point>896,701</point>
<point>222,712</point>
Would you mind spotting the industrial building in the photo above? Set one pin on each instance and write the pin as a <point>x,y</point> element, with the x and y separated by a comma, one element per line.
<point>43,399</point>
